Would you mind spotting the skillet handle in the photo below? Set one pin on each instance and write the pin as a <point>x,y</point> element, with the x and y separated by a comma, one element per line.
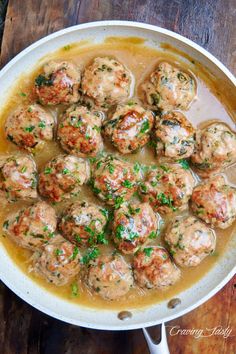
<point>157,346</point>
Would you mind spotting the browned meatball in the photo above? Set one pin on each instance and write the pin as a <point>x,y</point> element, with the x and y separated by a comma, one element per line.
<point>33,226</point>
<point>190,241</point>
<point>79,132</point>
<point>153,268</point>
<point>134,224</point>
<point>58,261</point>
<point>110,276</point>
<point>170,88</point>
<point>107,82</point>
<point>168,187</point>
<point>215,149</point>
<point>113,180</point>
<point>18,177</point>
<point>84,223</point>
<point>30,127</point>
<point>129,128</point>
<point>59,83</point>
<point>63,177</point>
<point>175,136</point>
<point>215,202</point>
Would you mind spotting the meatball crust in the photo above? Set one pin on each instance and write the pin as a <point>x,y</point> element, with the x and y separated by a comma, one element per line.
<point>134,224</point>
<point>175,136</point>
<point>84,223</point>
<point>110,276</point>
<point>153,268</point>
<point>170,88</point>
<point>114,180</point>
<point>190,241</point>
<point>167,188</point>
<point>30,127</point>
<point>58,84</point>
<point>129,128</point>
<point>18,179</point>
<point>58,261</point>
<point>33,226</point>
<point>80,132</point>
<point>106,81</point>
<point>62,177</point>
<point>214,201</point>
<point>215,149</point>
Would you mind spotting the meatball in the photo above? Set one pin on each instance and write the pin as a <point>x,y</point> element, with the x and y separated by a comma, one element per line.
<point>175,136</point>
<point>129,128</point>
<point>215,149</point>
<point>110,276</point>
<point>79,132</point>
<point>84,223</point>
<point>107,82</point>
<point>62,177</point>
<point>113,180</point>
<point>190,241</point>
<point>30,127</point>
<point>58,84</point>
<point>18,179</point>
<point>167,187</point>
<point>215,202</point>
<point>33,226</point>
<point>58,261</point>
<point>153,268</point>
<point>134,225</point>
<point>170,88</point>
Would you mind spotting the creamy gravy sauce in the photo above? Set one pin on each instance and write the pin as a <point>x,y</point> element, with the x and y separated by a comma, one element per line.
<point>140,60</point>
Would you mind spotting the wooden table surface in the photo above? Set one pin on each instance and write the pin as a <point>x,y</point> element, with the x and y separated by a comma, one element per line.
<point>209,23</point>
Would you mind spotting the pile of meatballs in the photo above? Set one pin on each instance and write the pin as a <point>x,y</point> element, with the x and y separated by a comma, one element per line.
<point>99,106</point>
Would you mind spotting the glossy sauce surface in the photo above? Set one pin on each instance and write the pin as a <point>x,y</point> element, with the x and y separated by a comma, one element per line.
<point>141,61</point>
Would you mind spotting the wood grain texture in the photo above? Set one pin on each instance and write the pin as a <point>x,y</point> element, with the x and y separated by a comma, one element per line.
<point>24,330</point>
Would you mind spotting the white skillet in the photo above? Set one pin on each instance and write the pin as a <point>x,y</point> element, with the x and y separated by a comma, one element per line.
<point>56,307</point>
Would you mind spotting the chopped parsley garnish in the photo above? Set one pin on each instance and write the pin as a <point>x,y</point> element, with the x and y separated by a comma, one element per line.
<point>148,251</point>
<point>42,80</point>
<point>144,127</point>
<point>137,167</point>
<point>118,202</point>
<point>127,184</point>
<point>75,253</point>
<point>42,124</point>
<point>48,170</point>
<point>30,128</point>
<point>143,188</point>
<point>67,47</point>
<point>101,238</point>
<point>165,168</point>
<point>58,252</point>
<point>65,171</point>
<point>119,231</point>
<point>92,253</point>
<point>22,94</point>
<point>184,164</point>
<point>74,289</point>
<point>98,129</point>
<point>6,224</point>
<point>111,169</point>
<point>24,169</point>
<point>152,235</point>
<point>132,210</point>
<point>166,200</point>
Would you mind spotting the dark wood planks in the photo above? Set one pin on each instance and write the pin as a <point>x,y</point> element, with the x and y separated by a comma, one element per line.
<point>212,25</point>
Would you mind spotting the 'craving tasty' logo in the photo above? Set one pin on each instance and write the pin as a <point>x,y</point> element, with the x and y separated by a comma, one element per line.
<point>199,332</point>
